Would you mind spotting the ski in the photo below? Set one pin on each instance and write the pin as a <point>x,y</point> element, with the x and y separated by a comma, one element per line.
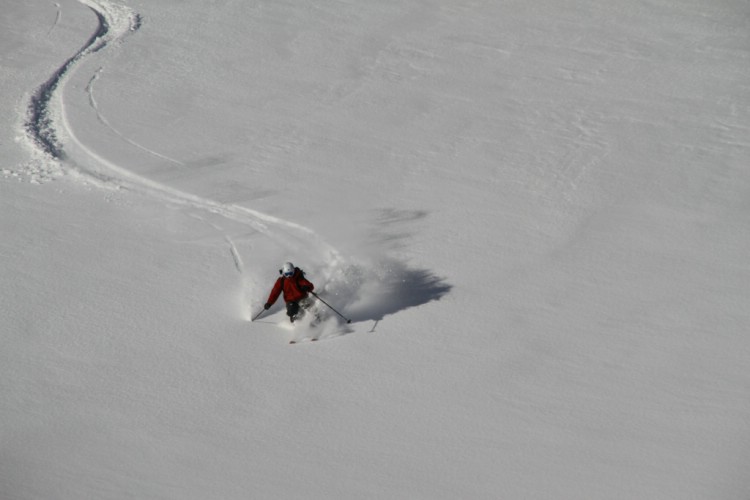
<point>321,338</point>
<point>303,340</point>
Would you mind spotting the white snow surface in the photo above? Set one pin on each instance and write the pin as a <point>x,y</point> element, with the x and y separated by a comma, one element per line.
<point>536,214</point>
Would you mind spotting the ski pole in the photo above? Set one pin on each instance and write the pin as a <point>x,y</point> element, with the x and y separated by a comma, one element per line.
<point>329,305</point>
<point>258,315</point>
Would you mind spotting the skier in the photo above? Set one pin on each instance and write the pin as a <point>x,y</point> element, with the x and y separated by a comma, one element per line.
<point>296,289</point>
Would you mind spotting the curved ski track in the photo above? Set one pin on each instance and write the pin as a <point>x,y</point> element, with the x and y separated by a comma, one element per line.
<point>39,124</point>
<point>115,22</point>
<point>105,122</point>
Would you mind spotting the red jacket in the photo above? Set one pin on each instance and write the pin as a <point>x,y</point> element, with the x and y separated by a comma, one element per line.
<point>292,287</point>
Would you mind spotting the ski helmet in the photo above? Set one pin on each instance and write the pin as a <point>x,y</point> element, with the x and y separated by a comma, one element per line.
<point>287,269</point>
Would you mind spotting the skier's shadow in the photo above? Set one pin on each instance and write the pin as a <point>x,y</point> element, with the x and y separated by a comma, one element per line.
<point>411,288</point>
<point>387,285</point>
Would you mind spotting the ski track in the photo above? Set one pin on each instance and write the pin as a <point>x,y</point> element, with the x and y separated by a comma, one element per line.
<point>103,120</point>
<point>58,17</point>
<point>115,22</point>
<point>235,256</point>
<point>39,124</point>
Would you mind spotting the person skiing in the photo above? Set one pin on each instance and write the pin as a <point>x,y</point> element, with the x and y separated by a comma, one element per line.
<point>296,289</point>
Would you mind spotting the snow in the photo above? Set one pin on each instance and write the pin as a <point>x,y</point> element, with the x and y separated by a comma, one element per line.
<point>535,213</point>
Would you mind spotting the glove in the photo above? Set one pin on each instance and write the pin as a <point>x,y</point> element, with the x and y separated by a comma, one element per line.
<point>267,306</point>
<point>305,289</point>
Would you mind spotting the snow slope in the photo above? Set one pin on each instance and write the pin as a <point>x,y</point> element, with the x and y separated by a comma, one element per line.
<point>534,212</point>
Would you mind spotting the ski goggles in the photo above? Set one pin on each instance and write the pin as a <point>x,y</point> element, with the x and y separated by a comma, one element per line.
<point>289,274</point>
